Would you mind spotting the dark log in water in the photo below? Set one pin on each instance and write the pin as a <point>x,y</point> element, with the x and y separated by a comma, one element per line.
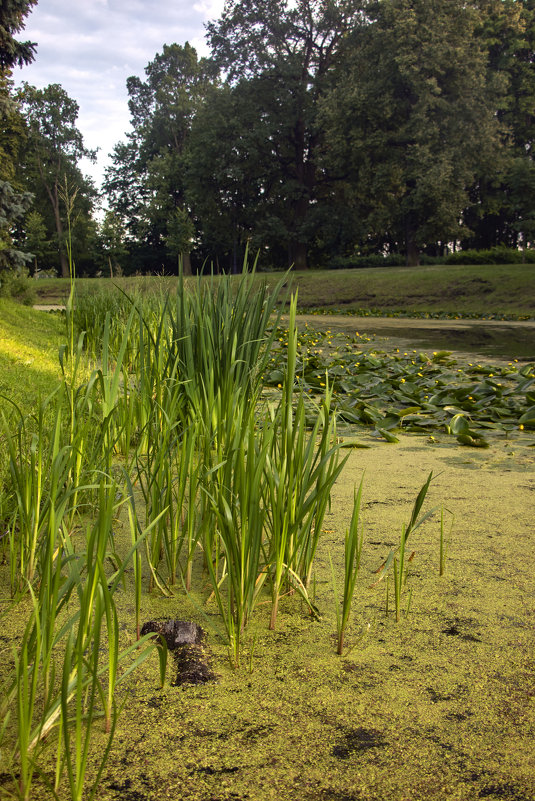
<point>185,641</point>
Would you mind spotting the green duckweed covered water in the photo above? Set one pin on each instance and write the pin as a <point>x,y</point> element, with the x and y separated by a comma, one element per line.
<point>439,706</point>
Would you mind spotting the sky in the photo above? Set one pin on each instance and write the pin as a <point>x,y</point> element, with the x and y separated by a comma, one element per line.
<point>91,47</point>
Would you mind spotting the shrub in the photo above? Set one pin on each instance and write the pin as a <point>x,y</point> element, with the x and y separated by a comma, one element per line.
<point>497,255</point>
<point>17,285</point>
<point>371,260</point>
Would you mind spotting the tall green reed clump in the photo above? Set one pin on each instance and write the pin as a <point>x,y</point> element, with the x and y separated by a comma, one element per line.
<point>302,468</point>
<point>233,541</point>
<point>55,455</point>
<point>198,371</point>
<point>66,666</point>
<point>221,335</point>
<point>39,468</point>
<point>268,477</point>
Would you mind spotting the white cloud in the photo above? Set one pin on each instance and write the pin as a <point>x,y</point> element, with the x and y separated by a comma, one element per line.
<point>91,47</point>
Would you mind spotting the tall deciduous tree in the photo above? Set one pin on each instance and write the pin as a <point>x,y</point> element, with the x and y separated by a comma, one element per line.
<point>224,176</point>
<point>503,194</point>
<point>415,119</point>
<point>146,182</point>
<point>282,57</point>
<point>52,152</point>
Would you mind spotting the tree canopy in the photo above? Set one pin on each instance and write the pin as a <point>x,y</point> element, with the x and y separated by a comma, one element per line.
<point>316,132</point>
<point>13,204</point>
<point>52,150</point>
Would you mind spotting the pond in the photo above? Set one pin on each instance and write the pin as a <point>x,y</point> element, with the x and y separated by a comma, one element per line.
<point>482,338</point>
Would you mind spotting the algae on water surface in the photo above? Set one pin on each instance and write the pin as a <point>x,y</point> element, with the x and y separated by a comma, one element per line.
<point>439,706</point>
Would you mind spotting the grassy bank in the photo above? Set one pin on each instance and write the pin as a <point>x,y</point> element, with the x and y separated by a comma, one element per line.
<point>481,290</point>
<point>29,346</point>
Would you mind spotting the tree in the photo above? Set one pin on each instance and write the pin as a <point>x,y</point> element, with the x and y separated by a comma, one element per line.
<point>146,182</point>
<point>13,206</point>
<point>12,130</point>
<point>414,121</point>
<point>12,52</point>
<point>521,179</point>
<point>36,240</point>
<point>179,237</point>
<point>282,57</point>
<point>499,214</point>
<point>113,241</point>
<point>222,176</point>
<point>50,160</point>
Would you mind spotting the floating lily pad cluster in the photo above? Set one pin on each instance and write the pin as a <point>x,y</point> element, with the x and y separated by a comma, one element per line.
<point>412,391</point>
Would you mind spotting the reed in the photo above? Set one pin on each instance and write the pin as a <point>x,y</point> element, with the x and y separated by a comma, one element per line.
<point>40,465</point>
<point>237,537</point>
<point>353,543</point>
<point>415,522</point>
<point>82,640</point>
<point>302,468</point>
<point>400,573</point>
<point>171,429</point>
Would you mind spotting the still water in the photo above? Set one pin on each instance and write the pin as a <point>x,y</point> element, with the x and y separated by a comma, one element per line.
<point>483,339</point>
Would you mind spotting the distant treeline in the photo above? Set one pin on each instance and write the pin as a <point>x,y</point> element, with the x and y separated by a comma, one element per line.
<point>340,133</point>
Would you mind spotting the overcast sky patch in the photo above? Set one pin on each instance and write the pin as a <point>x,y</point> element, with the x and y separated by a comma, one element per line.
<point>91,47</point>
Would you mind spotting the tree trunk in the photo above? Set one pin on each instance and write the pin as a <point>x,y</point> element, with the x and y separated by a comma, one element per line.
<point>59,231</point>
<point>53,195</point>
<point>413,254</point>
<point>413,251</point>
<point>305,174</point>
<point>299,256</point>
<point>54,199</point>
<point>186,263</point>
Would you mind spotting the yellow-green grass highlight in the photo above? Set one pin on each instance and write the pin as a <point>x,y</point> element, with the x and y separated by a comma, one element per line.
<point>29,347</point>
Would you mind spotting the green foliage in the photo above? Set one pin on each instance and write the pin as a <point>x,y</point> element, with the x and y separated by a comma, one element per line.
<point>353,543</point>
<point>497,255</point>
<point>50,156</point>
<point>417,81</point>
<point>387,127</point>
<point>12,131</point>
<point>225,481</point>
<point>413,392</point>
<point>17,285</point>
<point>36,240</point>
<point>13,206</point>
<point>146,183</point>
<point>112,238</point>
<point>12,52</point>
<point>277,82</point>
<point>370,260</point>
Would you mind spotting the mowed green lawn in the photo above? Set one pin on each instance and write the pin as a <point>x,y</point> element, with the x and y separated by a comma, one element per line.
<point>483,290</point>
